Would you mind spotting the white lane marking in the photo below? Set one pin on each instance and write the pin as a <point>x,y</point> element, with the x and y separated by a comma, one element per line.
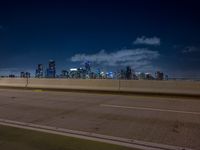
<point>151,109</point>
<point>92,136</point>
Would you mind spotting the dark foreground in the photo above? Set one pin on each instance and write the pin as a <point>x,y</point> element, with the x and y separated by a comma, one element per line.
<point>21,139</point>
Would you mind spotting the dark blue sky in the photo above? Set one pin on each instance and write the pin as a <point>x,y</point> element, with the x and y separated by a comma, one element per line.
<point>168,32</point>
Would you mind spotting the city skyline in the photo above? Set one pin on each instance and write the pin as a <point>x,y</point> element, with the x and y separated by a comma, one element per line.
<point>87,72</point>
<point>148,36</point>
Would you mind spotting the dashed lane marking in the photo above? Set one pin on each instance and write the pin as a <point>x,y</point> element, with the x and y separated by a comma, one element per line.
<point>151,109</point>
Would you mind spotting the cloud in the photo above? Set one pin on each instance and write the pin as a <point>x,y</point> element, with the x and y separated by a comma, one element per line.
<point>136,58</point>
<point>147,41</point>
<point>190,49</point>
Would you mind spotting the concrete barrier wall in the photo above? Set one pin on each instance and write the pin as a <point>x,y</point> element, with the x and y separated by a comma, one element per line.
<point>184,87</point>
<point>13,82</point>
<point>82,84</point>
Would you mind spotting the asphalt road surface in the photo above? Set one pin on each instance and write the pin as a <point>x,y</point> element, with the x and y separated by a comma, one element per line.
<point>164,120</point>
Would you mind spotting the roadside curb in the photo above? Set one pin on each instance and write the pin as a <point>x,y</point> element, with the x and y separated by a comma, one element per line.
<point>92,136</point>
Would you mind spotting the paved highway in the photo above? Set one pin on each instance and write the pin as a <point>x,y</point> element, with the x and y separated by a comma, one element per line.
<point>163,120</point>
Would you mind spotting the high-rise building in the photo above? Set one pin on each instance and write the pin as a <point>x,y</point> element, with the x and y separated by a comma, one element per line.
<point>159,75</point>
<point>11,76</point>
<point>128,73</point>
<point>122,74</point>
<point>148,76</point>
<point>22,75</point>
<point>25,74</point>
<point>141,75</point>
<point>39,71</point>
<point>87,67</point>
<point>52,65</point>
<point>73,73</point>
<point>166,77</point>
<point>64,74</point>
<point>51,70</point>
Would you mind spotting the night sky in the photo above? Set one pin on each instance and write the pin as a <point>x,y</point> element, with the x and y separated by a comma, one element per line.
<point>148,35</point>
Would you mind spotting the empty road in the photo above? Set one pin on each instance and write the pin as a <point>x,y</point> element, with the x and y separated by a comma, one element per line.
<point>164,120</point>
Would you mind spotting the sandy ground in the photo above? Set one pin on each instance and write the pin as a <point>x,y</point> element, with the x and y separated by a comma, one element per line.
<point>171,121</point>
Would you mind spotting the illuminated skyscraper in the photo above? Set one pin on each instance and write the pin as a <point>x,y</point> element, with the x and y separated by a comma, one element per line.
<point>51,70</point>
<point>64,74</point>
<point>39,71</point>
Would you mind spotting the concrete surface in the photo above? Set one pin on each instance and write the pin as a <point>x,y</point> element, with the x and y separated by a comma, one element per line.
<point>171,86</point>
<point>13,82</point>
<point>129,143</point>
<point>111,85</point>
<point>144,86</point>
<point>170,121</point>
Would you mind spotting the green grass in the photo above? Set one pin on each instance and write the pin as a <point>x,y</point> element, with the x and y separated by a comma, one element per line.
<point>21,139</point>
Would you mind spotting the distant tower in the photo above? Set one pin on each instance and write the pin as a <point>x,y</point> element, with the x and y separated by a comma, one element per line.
<point>25,75</point>
<point>22,75</point>
<point>141,75</point>
<point>11,76</point>
<point>122,74</point>
<point>64,74</point>
<point>51,70</point>
<point>52,65</point>
<point>159,75</point>
<point>128,73</point>
<point>39,71</point>
<point>87,67</point>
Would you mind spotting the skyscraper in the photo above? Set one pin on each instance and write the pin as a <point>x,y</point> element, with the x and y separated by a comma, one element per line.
<point>128,73</point>
<point>87,67</point>
<point>159,75</point>
<point>22,75</point>
<point>25,74</point>
<point>51,70</point>
<point>64,74</point>
<point>39,71</point>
